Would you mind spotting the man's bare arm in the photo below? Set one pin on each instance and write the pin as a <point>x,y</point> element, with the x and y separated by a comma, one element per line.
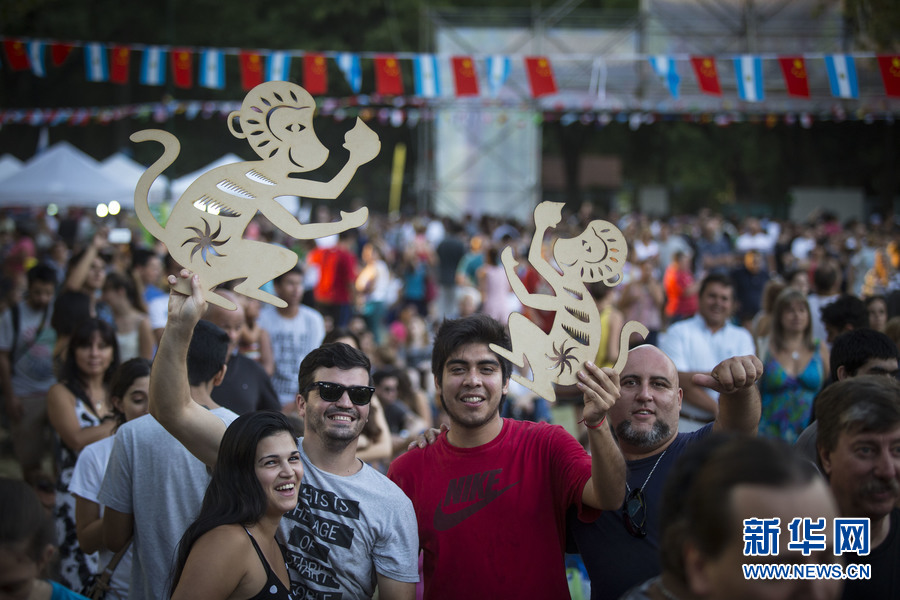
<point>696,395</point>
<point>739,404</point>
<point>391,589</point>
<point>195,427</point>
<point>606,487</point>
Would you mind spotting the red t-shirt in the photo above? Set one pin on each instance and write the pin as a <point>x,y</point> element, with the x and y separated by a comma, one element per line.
<point>492,519</point>
<point>338,272</point>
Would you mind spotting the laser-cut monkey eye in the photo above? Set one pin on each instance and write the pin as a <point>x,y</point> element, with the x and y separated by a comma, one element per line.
<point>296,127</point>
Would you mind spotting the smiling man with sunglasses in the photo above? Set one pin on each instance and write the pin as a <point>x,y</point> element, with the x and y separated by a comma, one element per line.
<point>621,548</point>
<point>352,528</point>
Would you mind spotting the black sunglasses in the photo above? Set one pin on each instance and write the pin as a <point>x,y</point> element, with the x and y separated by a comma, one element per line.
<point>360,395</point>
<point>634,513</point>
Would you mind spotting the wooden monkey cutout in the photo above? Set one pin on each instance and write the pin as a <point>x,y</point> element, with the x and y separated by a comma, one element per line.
<point>598,254</point>
<point>205,231</point>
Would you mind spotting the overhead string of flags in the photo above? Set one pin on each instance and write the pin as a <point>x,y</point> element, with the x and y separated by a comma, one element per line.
<point>111,62</point>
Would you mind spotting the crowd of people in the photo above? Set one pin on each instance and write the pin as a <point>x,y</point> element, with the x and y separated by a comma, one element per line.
<point>365,439</point>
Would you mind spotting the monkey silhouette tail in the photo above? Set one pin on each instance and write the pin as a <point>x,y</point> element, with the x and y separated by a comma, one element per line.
<point>629,328</point>
<point>171,147</point>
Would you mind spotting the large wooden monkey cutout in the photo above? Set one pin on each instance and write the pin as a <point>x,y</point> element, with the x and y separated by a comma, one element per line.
<point>598,254</point>
<point>205,231</point>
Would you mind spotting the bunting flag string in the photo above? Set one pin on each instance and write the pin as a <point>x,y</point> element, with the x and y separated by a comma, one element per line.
<point>472,75</point>
<point>412,111</point>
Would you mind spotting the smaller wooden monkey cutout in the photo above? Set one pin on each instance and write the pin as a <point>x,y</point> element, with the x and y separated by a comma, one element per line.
<point>598,254</point>
<point>205,231</point>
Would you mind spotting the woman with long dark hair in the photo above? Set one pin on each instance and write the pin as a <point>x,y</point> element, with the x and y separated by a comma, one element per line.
<point>129,391</point>
<point>80,410</point>
<point>230,551</point>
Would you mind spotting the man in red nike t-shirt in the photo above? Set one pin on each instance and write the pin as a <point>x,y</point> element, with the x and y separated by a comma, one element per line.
<point>491,494</point>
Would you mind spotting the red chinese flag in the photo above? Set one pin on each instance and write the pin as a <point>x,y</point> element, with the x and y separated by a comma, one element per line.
<point>707,77</point>
<point>794,70</point>
<point>59,53</point>
<point>540,76</point>
<point>182,67</point>
<point>251,70</point>
<point>464,76</point>
<point>16,54</point>
<point>890,74</point>
<point>315,74</point>
<point>118,69</point>
<point>387,76</point>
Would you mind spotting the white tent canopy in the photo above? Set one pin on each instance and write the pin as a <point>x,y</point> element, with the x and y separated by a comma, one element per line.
<point>9,164</point>
<point>128,171</point>
<point>180,185</point>
<point>65,176</point>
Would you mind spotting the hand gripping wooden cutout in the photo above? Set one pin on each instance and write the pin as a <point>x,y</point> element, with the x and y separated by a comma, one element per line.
<point>205,230</point>
<point>598,254</point>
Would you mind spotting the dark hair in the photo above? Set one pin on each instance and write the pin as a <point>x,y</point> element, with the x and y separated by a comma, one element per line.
<point>846,310</point>
<point>853,349</point>
<point>673,502</point>
<point>599,290</point>
<point>234,495</point>
<point>128,371</point>
<point>789,276</point>
<point>825,276</point>
<point>709,522</point>
<point>82,337</point>
<point>385,373</point>
<point>718,278</point>
<point>41,272</point>
<point>141,257</point>
<point>336,354</point>
<point>867,403</point>
<point>876,298</point>
<point>69,309</point>
<point>116,281</point>
<point>23,519</point>
<point>453,334</point>
<point>75,258</point>
<point>338,333</point>
<point>207,353</point>
<point>295,269</point>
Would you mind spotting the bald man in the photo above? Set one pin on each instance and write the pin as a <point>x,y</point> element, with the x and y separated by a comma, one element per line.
<point>625,542</point>
<point>246,386</point>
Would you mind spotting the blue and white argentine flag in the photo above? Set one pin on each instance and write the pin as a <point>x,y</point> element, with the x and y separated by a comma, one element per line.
<point>748,72</point>
<point>349,65</point>
<point>212,69</point>
<point>96,64</point>
<point>664,67</point>
<point>153,68</point>
<point>36,57</point>
<point>428,81</point>
<point>278,66</point>
<point>498,68</point>
<point>842,75</point>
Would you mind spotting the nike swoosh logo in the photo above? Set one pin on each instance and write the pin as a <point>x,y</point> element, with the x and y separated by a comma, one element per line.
<point>444,521</point>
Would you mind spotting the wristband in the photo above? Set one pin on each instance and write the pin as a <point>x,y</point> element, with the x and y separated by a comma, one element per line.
<point>597,426</point>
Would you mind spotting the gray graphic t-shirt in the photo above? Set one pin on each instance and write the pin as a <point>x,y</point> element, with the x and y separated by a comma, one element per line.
<point>344,531</point>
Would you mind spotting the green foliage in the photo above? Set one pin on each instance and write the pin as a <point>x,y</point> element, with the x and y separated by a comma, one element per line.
<point>876,23</point>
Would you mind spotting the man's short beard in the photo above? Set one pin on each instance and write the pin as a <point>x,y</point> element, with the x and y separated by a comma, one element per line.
<point>640,439</point>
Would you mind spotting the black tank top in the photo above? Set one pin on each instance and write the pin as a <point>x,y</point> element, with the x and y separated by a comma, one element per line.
<point>273,588</point>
